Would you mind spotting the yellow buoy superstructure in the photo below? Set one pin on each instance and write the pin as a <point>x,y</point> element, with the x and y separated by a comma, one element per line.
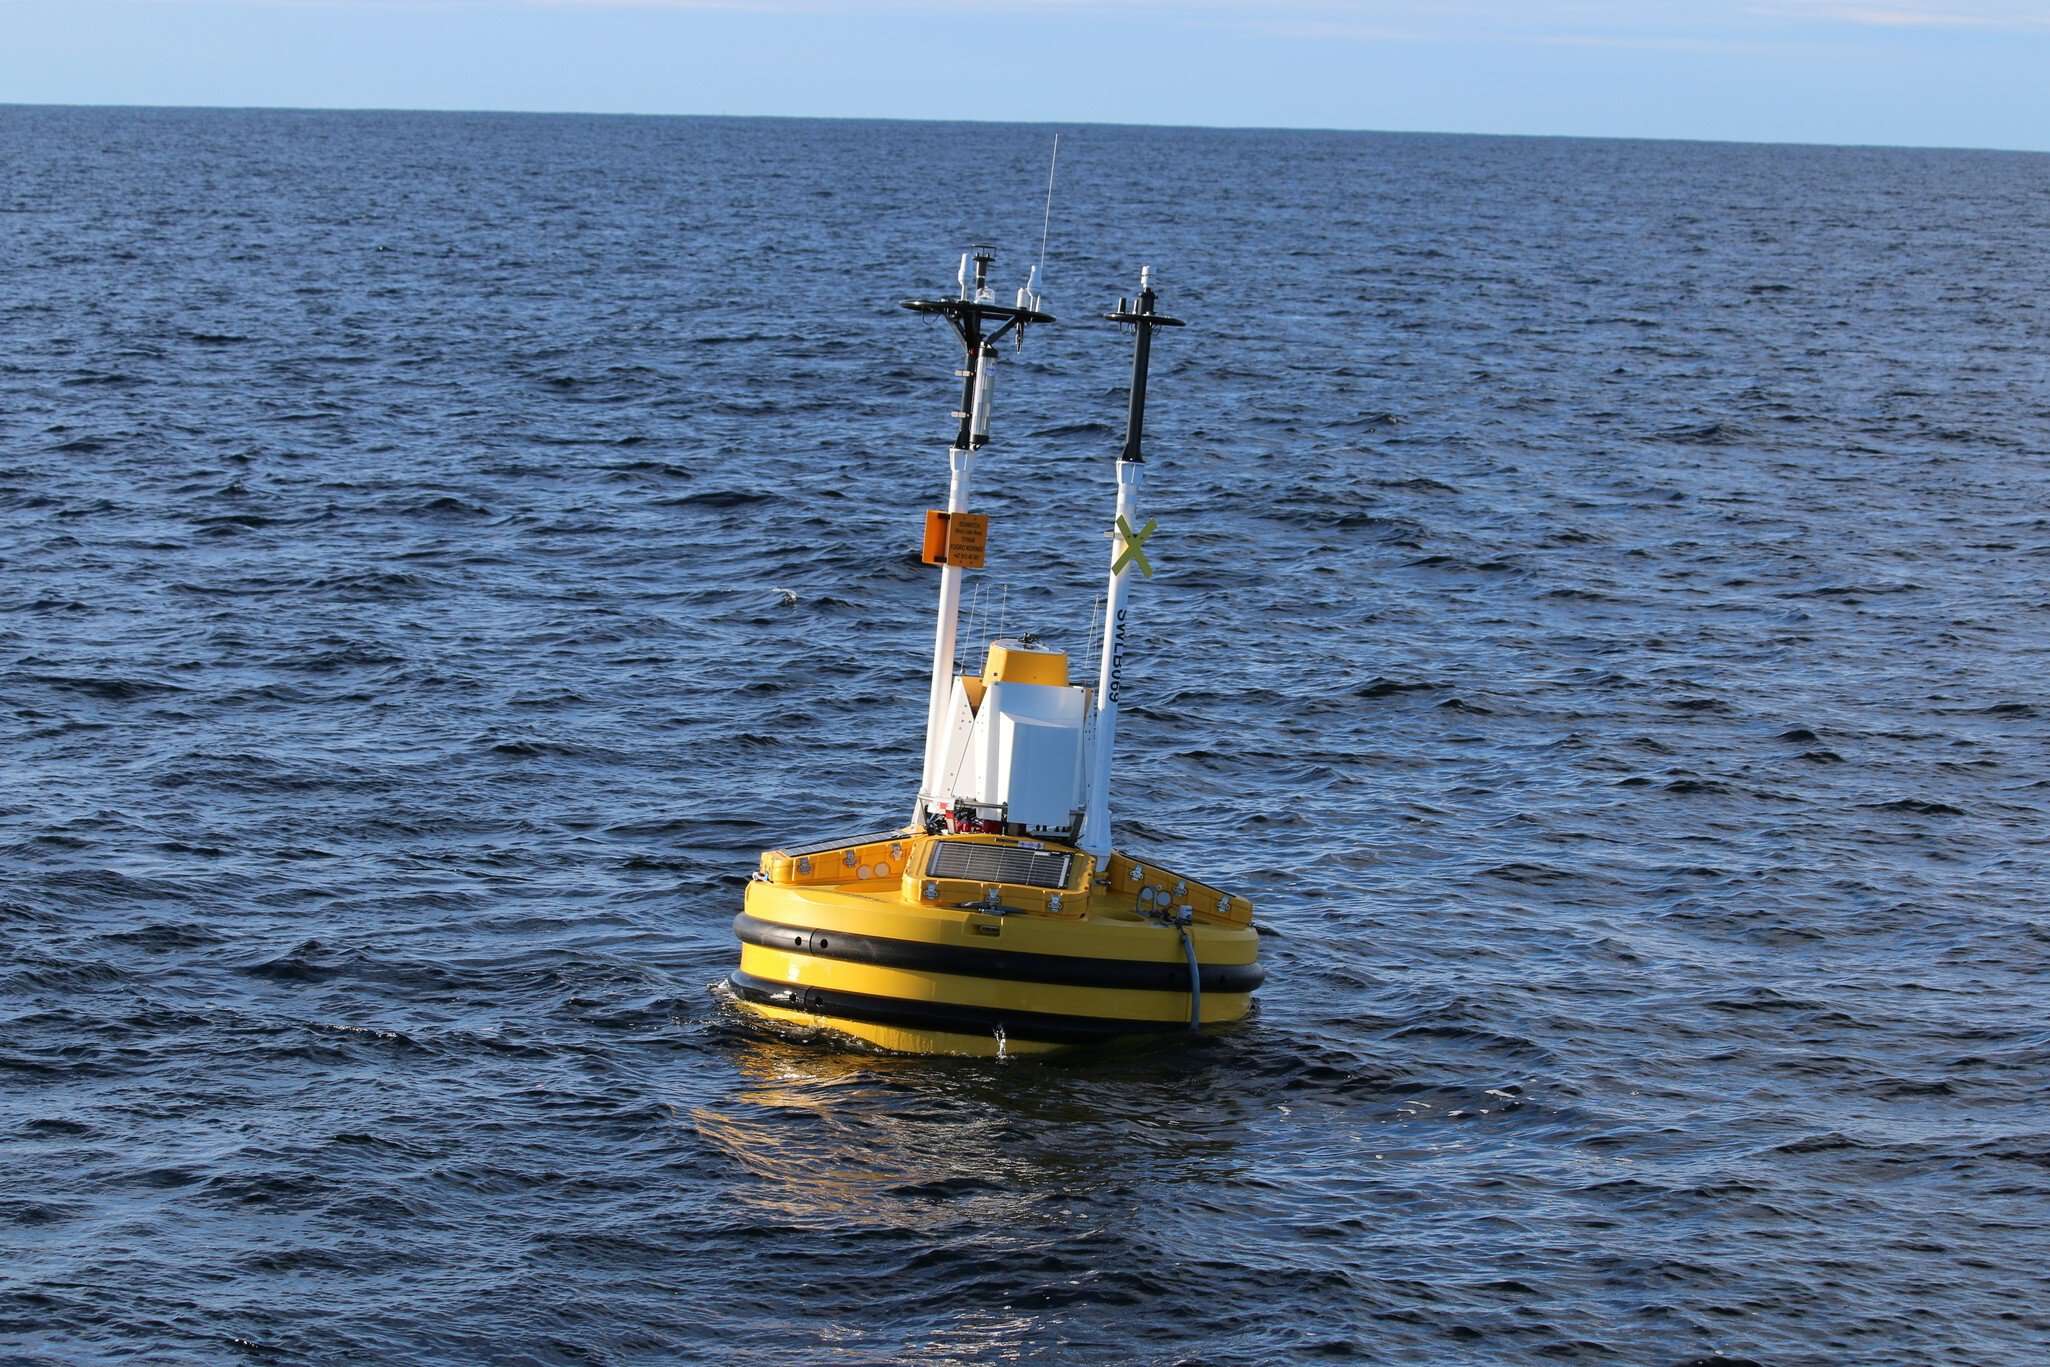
<point>998,920</point>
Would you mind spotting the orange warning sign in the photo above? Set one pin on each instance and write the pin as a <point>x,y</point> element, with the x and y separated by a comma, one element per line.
<point>956,540</point>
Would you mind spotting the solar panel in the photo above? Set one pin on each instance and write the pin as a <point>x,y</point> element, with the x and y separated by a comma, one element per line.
<point>999,864</point>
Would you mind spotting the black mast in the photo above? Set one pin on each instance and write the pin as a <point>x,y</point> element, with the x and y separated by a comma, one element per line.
<point>1140,315</point>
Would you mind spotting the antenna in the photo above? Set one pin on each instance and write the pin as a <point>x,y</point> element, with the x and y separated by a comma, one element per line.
<point>1031,296</point>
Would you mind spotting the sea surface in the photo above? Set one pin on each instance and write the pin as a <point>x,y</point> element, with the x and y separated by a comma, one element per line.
<point>1602,620</point>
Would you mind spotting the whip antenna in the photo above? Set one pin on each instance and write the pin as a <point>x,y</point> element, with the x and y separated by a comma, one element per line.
<point>1045,223</point>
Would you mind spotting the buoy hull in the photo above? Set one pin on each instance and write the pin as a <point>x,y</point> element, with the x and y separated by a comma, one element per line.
<point>863,960</point>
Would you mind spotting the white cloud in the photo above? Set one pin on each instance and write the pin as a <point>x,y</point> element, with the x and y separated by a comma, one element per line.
<point>1648,23</point>
<point>1586,16</point>
<point>1897,13</point>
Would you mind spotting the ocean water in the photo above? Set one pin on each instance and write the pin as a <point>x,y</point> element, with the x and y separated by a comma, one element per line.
<point>1601,621</point>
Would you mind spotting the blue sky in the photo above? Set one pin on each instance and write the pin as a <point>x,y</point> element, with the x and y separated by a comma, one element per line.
<point>1961,73</point>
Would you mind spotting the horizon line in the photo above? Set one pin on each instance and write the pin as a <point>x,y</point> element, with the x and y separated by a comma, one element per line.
<point>1027,123</point>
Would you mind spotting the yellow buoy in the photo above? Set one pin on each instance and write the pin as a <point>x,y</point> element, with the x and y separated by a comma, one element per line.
<point>998,920</point>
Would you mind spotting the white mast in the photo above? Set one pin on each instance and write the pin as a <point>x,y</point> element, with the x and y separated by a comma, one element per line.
<point>961,466</point>
<point>970,313</point>
<point>1126,540</point>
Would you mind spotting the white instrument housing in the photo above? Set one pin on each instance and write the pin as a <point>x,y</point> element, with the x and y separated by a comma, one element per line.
<point>1021,750</point>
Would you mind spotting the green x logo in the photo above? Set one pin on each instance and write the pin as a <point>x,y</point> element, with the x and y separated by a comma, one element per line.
<point>1132,542</point>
